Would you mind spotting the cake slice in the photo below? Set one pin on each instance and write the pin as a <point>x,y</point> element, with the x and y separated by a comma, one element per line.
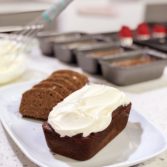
<point>41,98</point>
<point>75,82</point>
<point>38,102</point>
<point>82,78</point>
<point>86,121</point>
<point>61,89</point>
<point>64,81</point>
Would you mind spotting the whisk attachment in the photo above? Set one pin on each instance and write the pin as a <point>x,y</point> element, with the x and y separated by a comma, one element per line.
<point>18,42</point>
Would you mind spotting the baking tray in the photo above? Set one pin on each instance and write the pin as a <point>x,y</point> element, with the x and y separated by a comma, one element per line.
<point>123,76</point>
<point>91,64</point>
<point>66,52</point>
<point>47,40</point>
<point>158,44</point>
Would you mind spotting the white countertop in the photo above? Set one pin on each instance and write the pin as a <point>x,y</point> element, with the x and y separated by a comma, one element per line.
<point>149,98</point>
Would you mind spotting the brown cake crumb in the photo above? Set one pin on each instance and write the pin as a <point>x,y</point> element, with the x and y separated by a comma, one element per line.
<point>82,77</point>
<point>146,59</point>
<point>41,98</point>
<point>38,102</point>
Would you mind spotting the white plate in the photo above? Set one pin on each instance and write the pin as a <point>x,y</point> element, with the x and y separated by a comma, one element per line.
<point>140,141</point>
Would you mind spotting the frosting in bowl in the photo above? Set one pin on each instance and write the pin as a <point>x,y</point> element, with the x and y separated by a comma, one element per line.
<point>88,110</point>
<point>12,65</point>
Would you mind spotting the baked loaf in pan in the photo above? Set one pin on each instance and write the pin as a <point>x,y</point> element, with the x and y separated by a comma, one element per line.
<point>40,99</point>
<point>74,135</point>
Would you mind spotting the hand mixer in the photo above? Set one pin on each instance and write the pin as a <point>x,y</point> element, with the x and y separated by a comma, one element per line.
<point>22,39</point>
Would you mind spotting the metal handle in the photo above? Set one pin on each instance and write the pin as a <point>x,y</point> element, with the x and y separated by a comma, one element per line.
<point>51,13</point>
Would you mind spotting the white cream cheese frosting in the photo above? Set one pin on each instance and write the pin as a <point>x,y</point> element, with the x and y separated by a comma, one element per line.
<point>88,110</point>
<point>12,65</point>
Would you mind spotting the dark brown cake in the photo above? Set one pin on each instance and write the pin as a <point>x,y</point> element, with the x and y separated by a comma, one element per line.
<point>39,101</point>
<point>65,82</point>
<point>82,78</point>
<point>54,86</point>
<point>76,82</point>
<point>145,59</point>
<point>83,148</point>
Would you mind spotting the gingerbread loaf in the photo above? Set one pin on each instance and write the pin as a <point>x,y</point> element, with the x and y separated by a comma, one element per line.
<point>86,127</point>
<point>41,98</point>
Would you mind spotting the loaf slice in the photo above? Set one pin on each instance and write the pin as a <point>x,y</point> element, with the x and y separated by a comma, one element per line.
<point>73,81</point>
<point>38,102</point>
<point>65,82</point>
<point>61,89</point>
<point>75,75</point>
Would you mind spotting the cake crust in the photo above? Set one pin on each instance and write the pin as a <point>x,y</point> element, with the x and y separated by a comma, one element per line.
<point>75,81</point>
<point>82,78</point>
<point>65,81</point>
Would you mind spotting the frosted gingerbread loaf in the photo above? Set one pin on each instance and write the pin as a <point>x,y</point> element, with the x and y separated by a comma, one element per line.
<point>86,121</point>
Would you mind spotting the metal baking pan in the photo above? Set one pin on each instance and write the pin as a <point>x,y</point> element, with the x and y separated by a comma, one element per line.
<point>122,76</point>
<point>47,40</point>
<point>66,52</point>
<point>89,62</point>
<point>108,36</point>
<point>158,44</point>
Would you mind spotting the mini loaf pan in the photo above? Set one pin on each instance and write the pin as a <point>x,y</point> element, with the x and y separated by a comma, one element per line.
<point>108,36</point>
<point>126,74</point>
<point>66,52</point>
<point>156,43</point>
<point>89,61</point>
<point>47,40</point>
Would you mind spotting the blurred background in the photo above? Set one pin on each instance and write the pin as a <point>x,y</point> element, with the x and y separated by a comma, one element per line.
<point>84,15</point>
